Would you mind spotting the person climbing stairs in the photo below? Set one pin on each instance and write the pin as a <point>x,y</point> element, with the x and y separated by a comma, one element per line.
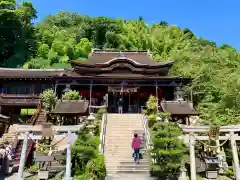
<point>119,162</point>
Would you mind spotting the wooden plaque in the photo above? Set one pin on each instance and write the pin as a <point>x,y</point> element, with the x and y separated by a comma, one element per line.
<point>47,130</point>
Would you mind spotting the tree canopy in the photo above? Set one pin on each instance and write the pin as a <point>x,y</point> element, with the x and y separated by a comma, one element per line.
<point>67,36</point>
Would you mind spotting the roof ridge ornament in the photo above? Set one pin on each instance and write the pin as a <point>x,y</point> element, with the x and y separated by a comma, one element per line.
<point>121,54</point>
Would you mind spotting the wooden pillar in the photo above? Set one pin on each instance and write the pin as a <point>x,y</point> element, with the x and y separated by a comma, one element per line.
<point>235,156</point>
<point>55,88</point>
<point>192,157</point>
<point>90,98</point>
<point>157,95</point>
<point>191,96</point>
<point>187,121</point>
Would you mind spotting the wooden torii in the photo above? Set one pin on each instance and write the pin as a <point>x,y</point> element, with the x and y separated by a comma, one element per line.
<point>46,130</point>
<point>191,138</point>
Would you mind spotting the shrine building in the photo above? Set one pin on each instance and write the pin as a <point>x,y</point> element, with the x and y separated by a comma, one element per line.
<point>132,75</point>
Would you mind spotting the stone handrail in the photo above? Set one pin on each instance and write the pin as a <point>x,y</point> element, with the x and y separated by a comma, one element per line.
<point>147,134</point>
<point>102,133</point>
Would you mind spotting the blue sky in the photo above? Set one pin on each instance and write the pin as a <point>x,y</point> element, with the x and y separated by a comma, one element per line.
<point>216,20</point>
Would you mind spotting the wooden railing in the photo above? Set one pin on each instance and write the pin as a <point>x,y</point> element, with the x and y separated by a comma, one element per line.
<point>29,96</point>
<point>30,99</point>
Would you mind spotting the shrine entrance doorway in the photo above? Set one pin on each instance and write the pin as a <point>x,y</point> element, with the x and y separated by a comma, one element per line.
<point>128,95</point>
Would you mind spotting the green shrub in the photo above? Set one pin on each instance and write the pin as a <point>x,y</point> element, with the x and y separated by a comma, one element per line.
<point>34,167</point>
<point>100,114</point>
<point>64,59</point>
<point>71,95</point>
<point>229,172</point>
<point>48,99</point>
<point>165,115</point>
<point>96,168</point>
<point>152,119</point>
<point>151,105</point>
<point>84,176</point>
<point>168,150</point>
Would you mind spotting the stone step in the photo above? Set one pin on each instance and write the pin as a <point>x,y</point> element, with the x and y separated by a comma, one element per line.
<point>125,160</point>
<point>143,162</point>
<point>115,165</point>
<point>122,129</point>
<point>134,165</point>
<point>122,149</point>
<point>126,129</point>
<point>118,138</point>
<point>129,177</point>
<point>128,170</point>
<point>119,153</point>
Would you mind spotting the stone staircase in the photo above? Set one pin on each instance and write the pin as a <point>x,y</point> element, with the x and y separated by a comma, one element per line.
<point>11,136</point>
<point>40,118</point>
<point>18,152</point>
<point>118,152</point>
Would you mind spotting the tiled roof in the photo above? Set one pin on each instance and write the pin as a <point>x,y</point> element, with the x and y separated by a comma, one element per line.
<point>178,107</point>
<point>30,73</point>
<point>68,107</point>
<point>140,57</point>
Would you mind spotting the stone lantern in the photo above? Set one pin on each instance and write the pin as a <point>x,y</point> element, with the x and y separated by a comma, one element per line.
<point>91,119</point>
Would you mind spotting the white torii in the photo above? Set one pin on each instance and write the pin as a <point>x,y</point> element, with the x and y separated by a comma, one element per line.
<point>38,129</point>
<point>191,139</point>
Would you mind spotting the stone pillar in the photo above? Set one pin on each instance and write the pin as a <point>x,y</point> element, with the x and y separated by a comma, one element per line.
<point>68,161</point>
<point>235,156</point>
<point>23,156</point>
<point>192,157</point>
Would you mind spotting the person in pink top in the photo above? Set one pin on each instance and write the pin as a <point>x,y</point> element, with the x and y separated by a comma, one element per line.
<point>136,144</point>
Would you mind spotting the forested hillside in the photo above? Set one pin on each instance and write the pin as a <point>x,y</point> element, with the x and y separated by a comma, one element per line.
<point>67,36</point>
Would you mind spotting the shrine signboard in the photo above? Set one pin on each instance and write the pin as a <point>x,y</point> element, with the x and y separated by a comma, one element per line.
<point>47,130</point>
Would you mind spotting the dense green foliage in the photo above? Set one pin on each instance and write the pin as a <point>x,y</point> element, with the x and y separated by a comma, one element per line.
<point>168,151</point>
<point>48,99</point>
<point>66,36</point>
<point>87,163</point>
<point>17,34</point>
<point>71,95</point>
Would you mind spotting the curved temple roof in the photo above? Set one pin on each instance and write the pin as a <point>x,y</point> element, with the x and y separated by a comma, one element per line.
<point>101,62</point>
<point>136,61</point>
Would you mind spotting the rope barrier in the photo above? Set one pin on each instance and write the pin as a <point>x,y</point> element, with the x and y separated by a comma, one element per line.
<point>210,146</point>
<point>39,144</point>
<point>43,145</point>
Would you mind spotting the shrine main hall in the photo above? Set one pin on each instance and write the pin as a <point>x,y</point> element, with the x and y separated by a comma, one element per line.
<point>132,75</point>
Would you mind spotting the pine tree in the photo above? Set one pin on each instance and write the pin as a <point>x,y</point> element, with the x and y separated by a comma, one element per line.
<point>169,151</point>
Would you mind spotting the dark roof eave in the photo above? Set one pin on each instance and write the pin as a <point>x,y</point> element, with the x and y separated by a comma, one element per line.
<point>68,113</point>
<point>169,64</point>
<point>110,77</point>
<point>190,114</point>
